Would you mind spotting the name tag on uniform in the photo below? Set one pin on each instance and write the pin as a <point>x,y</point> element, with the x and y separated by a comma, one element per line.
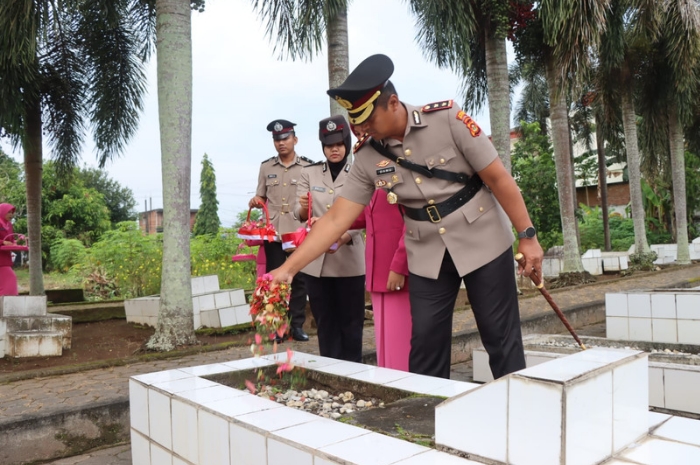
<point>271,176</point>
<point>390,169</point>
<point>318,189</point>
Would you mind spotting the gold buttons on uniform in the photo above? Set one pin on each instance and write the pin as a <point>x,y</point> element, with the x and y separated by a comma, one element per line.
<point>328,206</point>
<point>441,230</point>
<point>286,169</point>
<point>431,202</point>
<point>283,199</point>
<point>407,152</point>
<point>442,160</point>
<point>330,191</point>
<point>481,209</point>
<point>284,184</point>
<point>388,184</point>
<point>419,180</point>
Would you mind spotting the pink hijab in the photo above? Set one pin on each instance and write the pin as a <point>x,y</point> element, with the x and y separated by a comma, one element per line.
<point>5,226</point>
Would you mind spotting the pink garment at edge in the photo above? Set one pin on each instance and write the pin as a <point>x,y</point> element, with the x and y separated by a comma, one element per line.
<point>8,279</point>
<point>385,251</point>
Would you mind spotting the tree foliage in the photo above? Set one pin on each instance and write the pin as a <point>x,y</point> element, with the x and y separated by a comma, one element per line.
<point>535,173</point>
<point>207,219</point>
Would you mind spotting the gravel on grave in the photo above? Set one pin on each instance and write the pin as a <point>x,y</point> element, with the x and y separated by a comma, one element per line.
<point>320,402</point>
<point>573,345</point>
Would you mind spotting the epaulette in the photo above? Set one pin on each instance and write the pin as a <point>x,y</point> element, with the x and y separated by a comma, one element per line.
<point>307,160</point>
<point>269,159</point>
<point>444,105</point>
<point>316,163</point>
<point>360,142</point>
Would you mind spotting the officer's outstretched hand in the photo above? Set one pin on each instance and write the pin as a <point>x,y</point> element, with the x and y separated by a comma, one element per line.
<point>533,253</point>
<point>279,275</point>
<point>256,201</point>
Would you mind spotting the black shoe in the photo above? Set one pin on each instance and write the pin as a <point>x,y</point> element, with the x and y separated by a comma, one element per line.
<point>278,339</point>
<point>298,334</point>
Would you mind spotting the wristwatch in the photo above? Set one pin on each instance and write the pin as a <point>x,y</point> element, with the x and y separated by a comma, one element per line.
<point>529,233</point>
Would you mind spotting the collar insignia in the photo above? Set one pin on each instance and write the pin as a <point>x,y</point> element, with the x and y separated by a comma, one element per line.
<point>416,117</point>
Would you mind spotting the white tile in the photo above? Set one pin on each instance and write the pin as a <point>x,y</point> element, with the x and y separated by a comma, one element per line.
<point>197,285</point>
<point>242,314</point>
<point>589,420</point>
<point>607,355</point>
<point>682,389</point>
<point>320,461</point>
<point>534,360</point>
<point>663,305</point>
<point>562,369</point>
<point>656,419</point>
<point>373,449</point>
<point>656,387</point>
<point>320,433</point>
<point>161,376</point>
<point>138,406</point>
<point>213,439</point>
<point>185,436</point>
<point>160,456</point>
<point>481,369</point>
<point>453,389</point>
<point>420,383</point>
<point>664,330</point>
<point>345,368</point>
<point>178,461</point>
<point>140,449</point>
<point>640,329</point>
<point>433,457</point>
<point>227,316</point>
<point>204,370</point>
<point>185,384</point>
<point>616,305</point>
<point>159,421</point>
<point>534,439</point>
<point>662,452</point>
<point>378,375</point>
<point>639,305</point>
<point>680,429</point>
<point>241,405</point>
<point>247,447</point>
<point>475,421</point>
<point>617,328</point>
<point>212,394</point>
<point>689,331</point>
<point>197,320</point>
<point>272,420</point>
<point>688,306</point>
<point>206,302</point>
<point>310,361</point>
<point>247,363</point>
<point>210,318</point>
<point>196,308</point>
<point>630,402</point>
<point>222,299</point>
<point>278,452</point>
<point>237,297</point>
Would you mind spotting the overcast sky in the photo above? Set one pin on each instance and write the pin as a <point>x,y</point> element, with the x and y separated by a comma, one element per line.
<point>240,85</point>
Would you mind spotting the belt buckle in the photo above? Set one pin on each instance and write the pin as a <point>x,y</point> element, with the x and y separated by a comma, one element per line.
<point>433,214</point>
<point>284,208</point>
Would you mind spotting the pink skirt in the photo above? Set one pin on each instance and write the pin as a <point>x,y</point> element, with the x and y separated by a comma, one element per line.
<point>8,281</point>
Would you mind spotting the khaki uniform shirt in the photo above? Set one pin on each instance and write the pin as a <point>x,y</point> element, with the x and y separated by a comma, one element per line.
<point>278,184</point>
<point>448,139</point>
<point>349,259</point>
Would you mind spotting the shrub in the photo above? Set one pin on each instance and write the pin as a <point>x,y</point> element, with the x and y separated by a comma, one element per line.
<point>211,254</point>
<point>65,253</point>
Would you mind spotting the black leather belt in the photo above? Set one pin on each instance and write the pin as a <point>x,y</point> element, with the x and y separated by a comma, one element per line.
<point>434,213</point>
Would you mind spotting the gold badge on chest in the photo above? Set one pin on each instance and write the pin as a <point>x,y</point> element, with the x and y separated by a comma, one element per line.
<point>391,197</point>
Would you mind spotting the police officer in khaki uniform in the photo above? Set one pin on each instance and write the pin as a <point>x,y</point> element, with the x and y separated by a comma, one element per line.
<point>277,185</point>
<point>458,202</point>
<point>335,281</point>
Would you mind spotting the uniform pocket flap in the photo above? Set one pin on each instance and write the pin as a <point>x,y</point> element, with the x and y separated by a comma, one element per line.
<point>441,158</point>
<point>482,202</point>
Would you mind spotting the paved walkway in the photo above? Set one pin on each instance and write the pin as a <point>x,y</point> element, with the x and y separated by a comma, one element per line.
<point>44,396</point>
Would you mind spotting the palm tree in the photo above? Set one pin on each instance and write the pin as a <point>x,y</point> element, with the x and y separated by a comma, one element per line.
<point>174,46</point>
<point>65,65</point>
<point>470,38</point>
<point>299,29</point>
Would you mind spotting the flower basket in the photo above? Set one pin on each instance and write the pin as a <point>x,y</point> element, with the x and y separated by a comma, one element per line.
<point>20,243</point>
<point>292,240</point>
<point>261,230</point>
<point>242,256</point>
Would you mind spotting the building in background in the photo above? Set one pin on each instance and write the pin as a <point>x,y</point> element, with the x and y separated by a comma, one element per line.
<point>151,221</point>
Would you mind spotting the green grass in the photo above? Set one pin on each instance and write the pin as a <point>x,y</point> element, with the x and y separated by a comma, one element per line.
<point>51,280</point>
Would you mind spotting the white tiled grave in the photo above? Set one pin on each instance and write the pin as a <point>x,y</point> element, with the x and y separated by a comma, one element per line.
<point>27,330</point>
<point>212,307</point>
<point>575,410</point>
<point>673,379</point>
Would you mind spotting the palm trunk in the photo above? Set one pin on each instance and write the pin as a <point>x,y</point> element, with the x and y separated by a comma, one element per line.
<point>174,50</point>
<point>675,132</point>
<point>338,60</point>
<point>33,167</point>
<point>633,165</point>
<point>499,96</point>
<point>603,184</point>
<point>562,157</point>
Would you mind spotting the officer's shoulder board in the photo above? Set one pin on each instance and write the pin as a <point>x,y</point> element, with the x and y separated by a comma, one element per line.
<point>318,163</point>
<point>360,142</point>
<point>269,159</point>
<point>307,160</point>
<point>436,106</point>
